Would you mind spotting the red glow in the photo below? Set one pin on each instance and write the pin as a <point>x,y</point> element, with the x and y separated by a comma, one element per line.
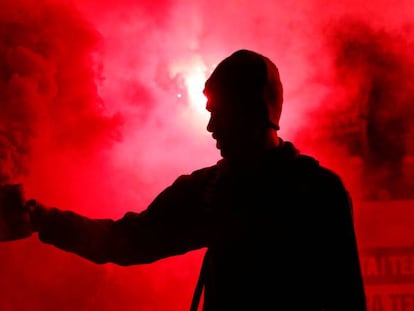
<point>114,111</point>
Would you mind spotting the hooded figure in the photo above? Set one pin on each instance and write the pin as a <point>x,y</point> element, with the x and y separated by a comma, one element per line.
<point>277,226</point>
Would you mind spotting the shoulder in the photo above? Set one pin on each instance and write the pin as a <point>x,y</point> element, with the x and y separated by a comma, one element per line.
<point>185,191</point>
<point>320,176</point>
<point>198,176</point>
<point>323,186</point>
<point>306,166</point>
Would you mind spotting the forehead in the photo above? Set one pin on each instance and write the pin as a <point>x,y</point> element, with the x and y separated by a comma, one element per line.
<point>218,99</point>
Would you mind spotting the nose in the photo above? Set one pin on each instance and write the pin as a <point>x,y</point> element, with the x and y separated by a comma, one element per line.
<point>210,125</point>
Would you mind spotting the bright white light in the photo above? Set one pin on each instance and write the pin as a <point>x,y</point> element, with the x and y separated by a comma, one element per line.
<point>193,72</point>
<point>194,81</point>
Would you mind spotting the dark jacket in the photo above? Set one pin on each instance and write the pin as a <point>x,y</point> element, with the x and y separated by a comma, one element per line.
<point>279,238</point>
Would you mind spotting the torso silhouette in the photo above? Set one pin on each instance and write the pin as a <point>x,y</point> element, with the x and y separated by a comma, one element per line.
<point>280,238</point>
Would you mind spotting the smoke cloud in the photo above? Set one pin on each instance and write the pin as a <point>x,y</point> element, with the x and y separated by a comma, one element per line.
<point>48,83</point>
<point>369,110</point>
<point>101,108</point>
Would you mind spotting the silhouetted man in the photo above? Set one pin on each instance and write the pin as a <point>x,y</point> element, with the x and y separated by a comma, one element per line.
<point>277,225</point>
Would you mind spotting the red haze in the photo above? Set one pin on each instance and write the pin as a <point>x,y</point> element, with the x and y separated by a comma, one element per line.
<point>99,112</point>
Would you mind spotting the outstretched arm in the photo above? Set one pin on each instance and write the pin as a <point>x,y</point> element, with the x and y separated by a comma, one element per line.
<point>171,225</point>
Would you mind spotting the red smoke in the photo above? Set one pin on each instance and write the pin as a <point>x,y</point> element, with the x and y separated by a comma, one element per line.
<point>98,114</point>
<point>369,111</point>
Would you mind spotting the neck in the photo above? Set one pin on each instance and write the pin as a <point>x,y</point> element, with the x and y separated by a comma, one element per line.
<point>254,158</point>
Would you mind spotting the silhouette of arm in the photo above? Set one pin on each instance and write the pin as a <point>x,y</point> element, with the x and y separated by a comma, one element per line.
<point>171,225</point>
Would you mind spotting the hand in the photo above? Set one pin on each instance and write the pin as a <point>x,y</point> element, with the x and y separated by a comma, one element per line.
<point>36,213</point>
<point>15,220</point>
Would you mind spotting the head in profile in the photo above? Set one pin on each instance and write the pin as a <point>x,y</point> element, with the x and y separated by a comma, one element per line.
<point>244,97</point>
